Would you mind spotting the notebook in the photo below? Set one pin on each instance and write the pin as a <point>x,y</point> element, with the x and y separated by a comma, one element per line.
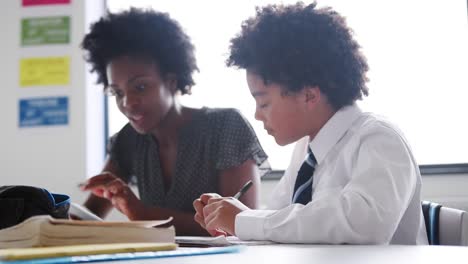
<point>218,241</point>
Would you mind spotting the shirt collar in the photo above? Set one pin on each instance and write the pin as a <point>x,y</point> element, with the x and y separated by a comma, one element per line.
<point>333,131</point>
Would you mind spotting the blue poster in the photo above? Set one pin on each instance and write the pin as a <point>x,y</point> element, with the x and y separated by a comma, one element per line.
<point>47,111</point>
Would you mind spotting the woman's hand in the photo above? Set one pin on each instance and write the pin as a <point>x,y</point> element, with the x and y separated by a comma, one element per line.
<point>112,188</point>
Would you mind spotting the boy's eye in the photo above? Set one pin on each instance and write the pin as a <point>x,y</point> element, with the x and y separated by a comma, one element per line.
<point>263,105</point>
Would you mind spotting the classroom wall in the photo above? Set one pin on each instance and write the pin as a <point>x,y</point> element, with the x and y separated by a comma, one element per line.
<point>449,190</point>
<point>56,157</point>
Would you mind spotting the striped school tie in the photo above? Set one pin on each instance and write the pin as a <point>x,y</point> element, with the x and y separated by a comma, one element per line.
<point>303,186</point>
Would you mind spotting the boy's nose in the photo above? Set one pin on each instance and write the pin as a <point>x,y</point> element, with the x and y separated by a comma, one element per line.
<point>258,115</point>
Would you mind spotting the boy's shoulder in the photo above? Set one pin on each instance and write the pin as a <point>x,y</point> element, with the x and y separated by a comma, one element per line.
<point>373,124</point>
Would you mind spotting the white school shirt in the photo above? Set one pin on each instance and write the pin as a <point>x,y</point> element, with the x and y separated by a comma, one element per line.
<point>366,189</point>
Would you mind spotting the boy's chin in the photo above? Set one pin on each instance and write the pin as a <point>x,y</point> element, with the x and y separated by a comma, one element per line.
<point>281,142</point>
<point>284,141</point>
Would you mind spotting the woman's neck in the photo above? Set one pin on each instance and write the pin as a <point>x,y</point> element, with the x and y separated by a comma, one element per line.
<point>175,119</point>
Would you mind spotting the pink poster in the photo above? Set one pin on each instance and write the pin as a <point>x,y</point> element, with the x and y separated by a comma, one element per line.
<point>44,2</point>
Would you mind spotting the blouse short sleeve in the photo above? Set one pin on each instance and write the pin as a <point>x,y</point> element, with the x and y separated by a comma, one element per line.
<point>119,150</point>
<point>238,142</point>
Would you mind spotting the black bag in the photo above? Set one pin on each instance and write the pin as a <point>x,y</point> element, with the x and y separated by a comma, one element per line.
<point>18,203</point>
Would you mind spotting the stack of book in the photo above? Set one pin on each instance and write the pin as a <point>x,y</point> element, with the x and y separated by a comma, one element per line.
<point>44,230</point>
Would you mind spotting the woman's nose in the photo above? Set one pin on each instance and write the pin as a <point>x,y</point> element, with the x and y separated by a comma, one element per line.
<point>130,101</point>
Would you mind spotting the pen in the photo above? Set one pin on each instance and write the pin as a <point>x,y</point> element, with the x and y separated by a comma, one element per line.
<point>244,189</point>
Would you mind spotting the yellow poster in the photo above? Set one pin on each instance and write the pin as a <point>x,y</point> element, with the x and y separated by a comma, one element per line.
<point>45,71</point>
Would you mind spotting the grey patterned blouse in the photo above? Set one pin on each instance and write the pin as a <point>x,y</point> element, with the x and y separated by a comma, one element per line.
<point>214,140</point>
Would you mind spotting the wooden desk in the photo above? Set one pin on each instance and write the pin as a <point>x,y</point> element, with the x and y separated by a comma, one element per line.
<point>326,254</point>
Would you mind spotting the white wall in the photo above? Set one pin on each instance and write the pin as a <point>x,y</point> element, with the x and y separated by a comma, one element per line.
<point>56,157</point>
<point>449,190</point>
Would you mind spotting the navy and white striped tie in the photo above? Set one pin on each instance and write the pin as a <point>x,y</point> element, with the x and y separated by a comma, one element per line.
<point>303,186</point>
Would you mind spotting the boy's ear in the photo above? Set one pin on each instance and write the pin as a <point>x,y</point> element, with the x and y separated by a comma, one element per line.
<point>312,94</point>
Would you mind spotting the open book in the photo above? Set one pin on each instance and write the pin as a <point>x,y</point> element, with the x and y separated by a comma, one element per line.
<point>82,213</point>
<point>44,230</point>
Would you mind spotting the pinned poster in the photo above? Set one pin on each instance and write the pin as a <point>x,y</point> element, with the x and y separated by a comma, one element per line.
<point>45,30</point>
<point>44,2</point>
<point>45,71</point>
<point>47,111</point>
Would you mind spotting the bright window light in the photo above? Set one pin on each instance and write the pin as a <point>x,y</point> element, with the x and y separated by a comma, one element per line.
<point>417,53</point>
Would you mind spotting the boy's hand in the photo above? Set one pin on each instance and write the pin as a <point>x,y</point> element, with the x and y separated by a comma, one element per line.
<point>107,185</point>
<point>199,217</point>
<point>219,213</point>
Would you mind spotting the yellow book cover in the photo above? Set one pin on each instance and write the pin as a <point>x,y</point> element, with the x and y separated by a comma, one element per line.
<point>81,250</point>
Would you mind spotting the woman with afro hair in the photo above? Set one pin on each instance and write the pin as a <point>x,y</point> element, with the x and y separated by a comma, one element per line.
<point>174,153</point>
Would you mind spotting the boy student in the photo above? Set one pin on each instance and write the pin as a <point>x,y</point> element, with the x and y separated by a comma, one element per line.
<point>359,182</point>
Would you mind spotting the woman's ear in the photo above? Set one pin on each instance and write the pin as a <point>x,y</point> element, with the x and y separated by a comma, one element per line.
<point>171,82</point>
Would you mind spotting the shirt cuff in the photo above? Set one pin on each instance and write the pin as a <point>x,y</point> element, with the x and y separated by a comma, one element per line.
<point>249,224</point>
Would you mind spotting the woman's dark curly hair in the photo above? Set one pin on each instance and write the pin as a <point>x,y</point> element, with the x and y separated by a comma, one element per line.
<point>298,46</point>
<point>144,34</point>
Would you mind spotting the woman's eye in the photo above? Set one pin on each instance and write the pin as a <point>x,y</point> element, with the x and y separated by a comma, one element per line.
<point>140,87</point>
<point>118,94</point>
<point>112,92</point>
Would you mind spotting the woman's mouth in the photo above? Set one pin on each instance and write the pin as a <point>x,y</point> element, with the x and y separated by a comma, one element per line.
<point>137,119</point>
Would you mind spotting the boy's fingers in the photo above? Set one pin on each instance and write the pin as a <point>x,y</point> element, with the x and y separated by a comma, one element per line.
<point>213,205</point>
<point>219,232</point>
<point>197,204</point>
<point>200,220</point>
<point>212,223</point>
<point>207,196</point>
<point>210,212</point>
<point>215,200</point>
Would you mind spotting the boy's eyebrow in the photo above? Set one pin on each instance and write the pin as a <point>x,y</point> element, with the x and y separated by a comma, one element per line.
<point>257,94</point>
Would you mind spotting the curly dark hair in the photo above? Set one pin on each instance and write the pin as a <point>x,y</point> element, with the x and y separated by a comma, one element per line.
<point>146,34</point>
<point>298,46</point>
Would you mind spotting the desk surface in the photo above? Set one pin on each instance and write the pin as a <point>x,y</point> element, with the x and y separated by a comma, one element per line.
<point>319,254</point>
